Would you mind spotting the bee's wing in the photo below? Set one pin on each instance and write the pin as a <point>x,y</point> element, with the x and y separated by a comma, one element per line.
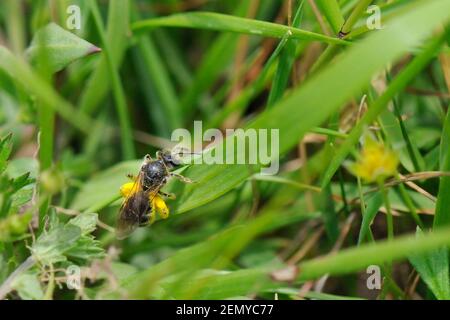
<point>128,219</point>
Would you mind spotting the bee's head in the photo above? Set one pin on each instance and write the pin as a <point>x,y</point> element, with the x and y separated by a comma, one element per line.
<point>170,159</point>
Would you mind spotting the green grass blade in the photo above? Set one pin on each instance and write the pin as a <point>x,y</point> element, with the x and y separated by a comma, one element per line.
<point>203,255</point>
<point>285,63</point>
<point>117,38</point>
<point>357,12</point>
<point>373,205</point>
<point>223,22</point>
<point>355,259</point>
<point>219,54</point>
<point>442,214</point>
<point>161,82</point>
<point>332,12</point>
<point>118,91</point>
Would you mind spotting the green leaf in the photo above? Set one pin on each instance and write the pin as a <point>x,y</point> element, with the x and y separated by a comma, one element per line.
<point>219,53</point>
<point>229,242</point>
<point>14,227</point>
<point>72,240</point>
<point>5,151</point>
<point>117,32</point>
<point>285,63</point>
<point>223,22</point>
<point>442,214</point>
<point>38,87</point>
<point>28,287</point>
<point>94,191</point>
<point>223,284</point>
<point>61,47</point>
<point>354,259</point>
<point>373,205</point>
<point>433,268</point>
<point>393,131</point>
<point>87,222</point>
<point>51,246</point>
<point>332,12</point>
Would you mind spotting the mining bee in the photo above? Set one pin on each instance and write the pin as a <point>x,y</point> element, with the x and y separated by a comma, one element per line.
<point>143,196</point>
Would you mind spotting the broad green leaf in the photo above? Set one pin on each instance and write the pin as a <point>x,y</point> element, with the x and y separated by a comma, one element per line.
<point>223,22</point>
<point>61,47</point>
<point>28,287</point>
<point>95,190</point>
<point>71,240</point>
<point>433,268</point>
<point>86,222</point>
<point>51,246</point>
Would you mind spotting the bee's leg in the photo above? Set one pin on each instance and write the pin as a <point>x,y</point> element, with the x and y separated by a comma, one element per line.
<point>160,206</point>
<point>148,158</point>
<point>126,189</point>
<point>180,177</point>
<point>131,176</point>
<point>148,218</point>
<point>170,196</point>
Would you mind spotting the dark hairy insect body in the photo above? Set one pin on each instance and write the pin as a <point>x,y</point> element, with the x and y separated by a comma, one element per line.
<point>142,197</point>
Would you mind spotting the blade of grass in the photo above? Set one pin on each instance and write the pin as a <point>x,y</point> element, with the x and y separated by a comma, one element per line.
<point>442,214</point>
<point>230,242</point>
<point>285,63</point>
<point>160,79</point>
<point>332,12</point>
<point>223,22</point>
<point>219,54</point>
<point>117,38</point>
<point>119,95</point>
<point>373,205</point>
<point>357,12</point>
<point>354,259</point>
<point>162,84</point>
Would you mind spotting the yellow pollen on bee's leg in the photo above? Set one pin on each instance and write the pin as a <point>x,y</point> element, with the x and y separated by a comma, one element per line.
<point>161,207</point>
<point>126,189</point>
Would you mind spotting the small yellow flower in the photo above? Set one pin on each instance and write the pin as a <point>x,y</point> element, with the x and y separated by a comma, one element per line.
<point>375,162</point>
